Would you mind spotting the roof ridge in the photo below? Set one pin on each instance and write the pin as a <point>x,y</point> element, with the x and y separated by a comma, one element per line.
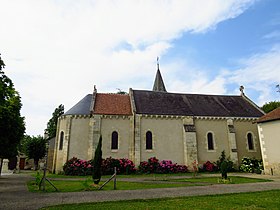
<point>202,94</point>
<point>113,94</point>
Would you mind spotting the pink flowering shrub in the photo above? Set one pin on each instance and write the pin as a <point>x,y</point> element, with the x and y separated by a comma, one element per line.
<point>123,166</point>
<point>77,167</point>
<point>210,167</point>
<point>165,166</point>
<point>149,167</point>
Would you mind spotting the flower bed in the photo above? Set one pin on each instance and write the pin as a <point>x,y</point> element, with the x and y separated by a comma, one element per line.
<point>209,167</point>
<point>165,166</point>
<point>77,167</point>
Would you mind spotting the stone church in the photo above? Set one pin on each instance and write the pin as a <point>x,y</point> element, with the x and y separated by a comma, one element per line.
<point>155,123</point>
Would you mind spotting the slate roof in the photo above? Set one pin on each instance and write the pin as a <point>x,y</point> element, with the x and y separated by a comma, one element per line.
<point>163,103</point>
<point>112,104</point>
<point>82,107</point>
<point>158,83</point>
<point>271,116</point>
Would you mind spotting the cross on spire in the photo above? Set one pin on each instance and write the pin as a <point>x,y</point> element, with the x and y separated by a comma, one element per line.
<point>158,83</point>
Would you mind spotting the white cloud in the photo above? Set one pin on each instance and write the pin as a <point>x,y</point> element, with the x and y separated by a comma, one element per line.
<point>55,51</point>
<point>260,73</point>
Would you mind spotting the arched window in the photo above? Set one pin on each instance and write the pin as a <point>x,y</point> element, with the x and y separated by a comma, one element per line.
<point>115,140</point>
<point>61,140</point>
<point>149,140</point>
<point>210,141</point>
<point>250,141</point>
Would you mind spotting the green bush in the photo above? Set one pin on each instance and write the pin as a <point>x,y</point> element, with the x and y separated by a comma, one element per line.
<point>251,165</point>
<point>97,162</point>
<point>222,158</point>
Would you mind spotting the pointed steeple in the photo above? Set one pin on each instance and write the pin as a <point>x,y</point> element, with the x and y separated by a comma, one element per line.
<point>158,84</point>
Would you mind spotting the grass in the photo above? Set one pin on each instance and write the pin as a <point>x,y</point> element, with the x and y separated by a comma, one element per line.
<point>214,180</point>
<point>77,186</point>
<point>254,200</point>
<point>160,182</point>
<point>50,175</point>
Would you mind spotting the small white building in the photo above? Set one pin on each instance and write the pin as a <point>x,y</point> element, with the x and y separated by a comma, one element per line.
<point>269,133</point>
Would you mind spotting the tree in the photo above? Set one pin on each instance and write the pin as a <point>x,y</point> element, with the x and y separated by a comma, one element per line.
<point>12,125</point>
<point>268,107</point>
<point>52,124</point>
<point>34,148</point>
<point>120,91</point>
<point>97,161</point>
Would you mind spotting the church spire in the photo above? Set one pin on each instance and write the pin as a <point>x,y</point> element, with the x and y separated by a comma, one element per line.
<point>158,84</point>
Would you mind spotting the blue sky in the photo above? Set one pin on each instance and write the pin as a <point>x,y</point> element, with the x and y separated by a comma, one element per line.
<point>55,51</point>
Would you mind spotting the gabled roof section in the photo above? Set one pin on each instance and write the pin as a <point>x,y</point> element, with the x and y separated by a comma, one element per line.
<point>82,107</point>
<point>158,83</point>
<point>271,116</point>
<point>112,104</point>
<point>163,103</point>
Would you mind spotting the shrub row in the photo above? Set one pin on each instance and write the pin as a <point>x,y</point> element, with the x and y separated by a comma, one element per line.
<point>163,167</point>
<point>79,167</point>
<point>251,165</point>
<point>75,166</point>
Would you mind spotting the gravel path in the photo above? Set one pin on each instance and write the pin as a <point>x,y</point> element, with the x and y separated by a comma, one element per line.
<point>14,194</point>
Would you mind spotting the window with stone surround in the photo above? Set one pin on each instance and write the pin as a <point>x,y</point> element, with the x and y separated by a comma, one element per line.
<point>250,141</point>
<point>149,140</point>
<point>61,140</point>
<point>210,141</point>
<point>115,140</point>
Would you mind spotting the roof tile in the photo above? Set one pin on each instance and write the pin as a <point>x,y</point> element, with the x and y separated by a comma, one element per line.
<point>163,103</point>
<point>273,115</point>
<point>113,104</point>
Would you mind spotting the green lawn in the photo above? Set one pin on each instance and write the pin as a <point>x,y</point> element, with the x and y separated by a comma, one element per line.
<point>215,180</point>
<point>50,175</point>
<point>161,182</point>
<point>254,200</point>
<point>77,186</point>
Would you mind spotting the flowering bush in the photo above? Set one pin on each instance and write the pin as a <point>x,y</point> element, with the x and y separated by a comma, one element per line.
<point>150,166</point>
<point>77,167</point>
<point>165,166</point>
<point>208,166</point>
<point>251,165</point>
<point>123,165</point>
<point>126,166</point>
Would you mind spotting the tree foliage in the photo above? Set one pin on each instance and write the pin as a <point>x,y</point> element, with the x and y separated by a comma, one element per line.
<point>268,107</point>
<point>34,148</point>
<point>120,91</point>
<point>12,125</point>
<point>52,124</point>
<point>97,162</point>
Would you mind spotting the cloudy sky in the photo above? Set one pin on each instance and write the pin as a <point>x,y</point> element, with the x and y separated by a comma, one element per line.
<point>55,51</point>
